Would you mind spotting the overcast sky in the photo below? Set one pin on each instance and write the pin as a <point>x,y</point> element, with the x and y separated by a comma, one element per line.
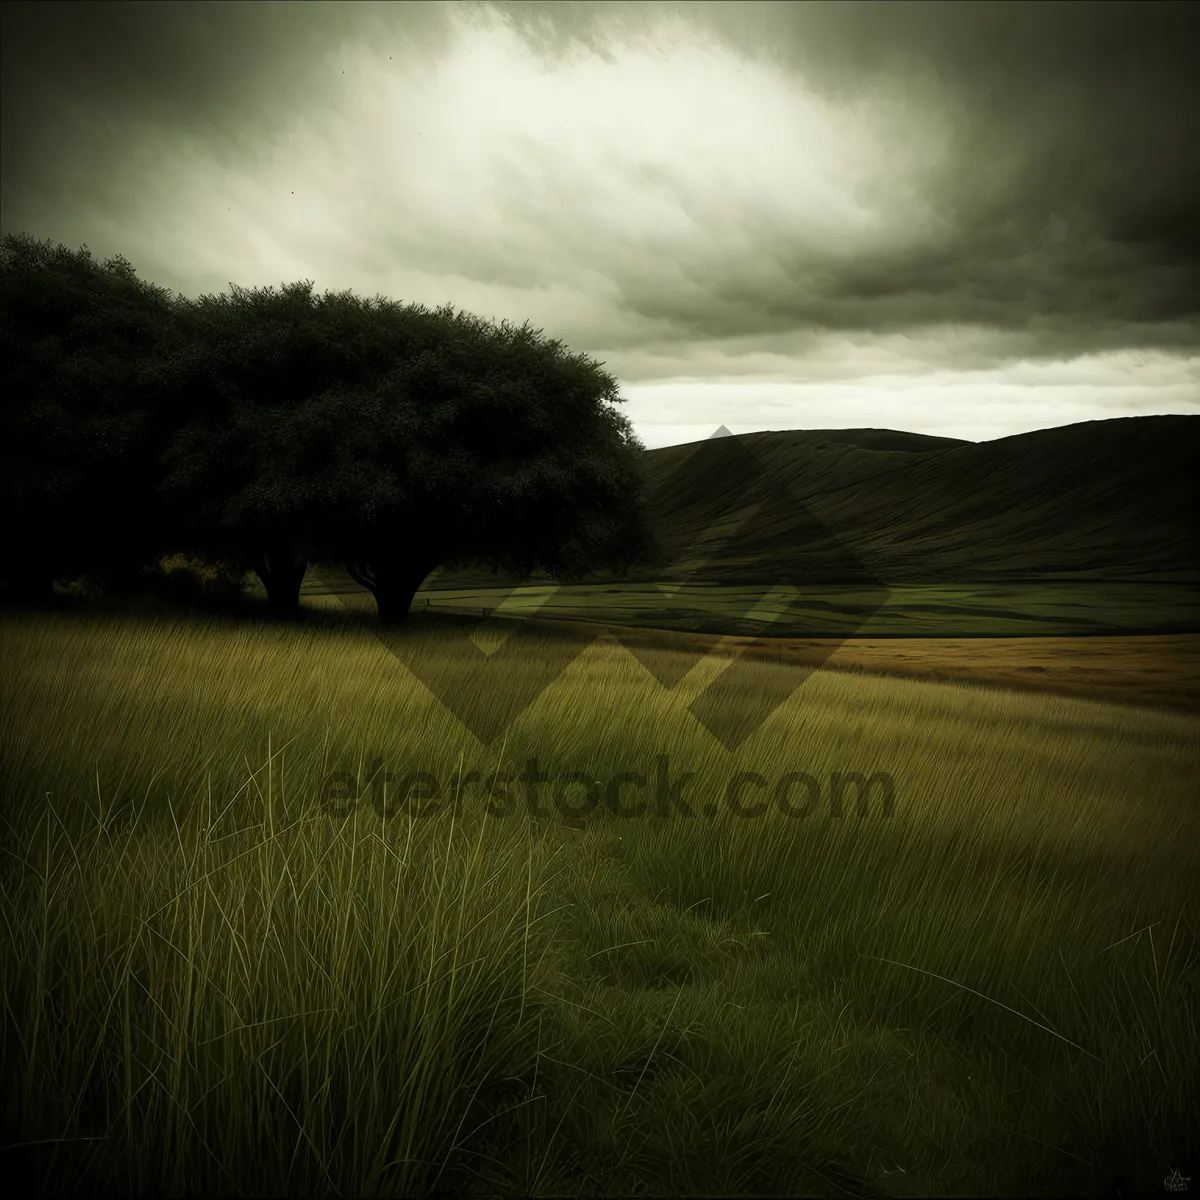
<point>966,219</point>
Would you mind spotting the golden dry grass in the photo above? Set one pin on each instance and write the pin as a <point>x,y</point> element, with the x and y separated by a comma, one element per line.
<point>1157,670</point>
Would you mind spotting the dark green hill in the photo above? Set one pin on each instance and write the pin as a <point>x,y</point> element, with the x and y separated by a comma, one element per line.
<point>1102,499</point>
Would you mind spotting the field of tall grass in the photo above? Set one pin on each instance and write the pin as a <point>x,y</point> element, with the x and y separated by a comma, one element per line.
<point>232,962</point>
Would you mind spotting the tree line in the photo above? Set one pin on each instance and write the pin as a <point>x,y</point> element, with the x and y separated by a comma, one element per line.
<point>273,430</point>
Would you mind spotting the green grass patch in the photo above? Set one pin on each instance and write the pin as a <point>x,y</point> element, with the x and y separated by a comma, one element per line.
<point>214,983</point>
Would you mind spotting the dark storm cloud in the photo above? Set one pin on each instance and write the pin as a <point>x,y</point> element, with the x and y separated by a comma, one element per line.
<point>874,194</point>
<point>1071,196</point>
<point>208,68</point>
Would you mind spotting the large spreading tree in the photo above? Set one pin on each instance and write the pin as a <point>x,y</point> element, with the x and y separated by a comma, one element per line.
<point>394,439</point>
<point>492,446</point>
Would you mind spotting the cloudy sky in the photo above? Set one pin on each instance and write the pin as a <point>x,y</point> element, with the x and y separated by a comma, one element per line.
<point>966,219</point>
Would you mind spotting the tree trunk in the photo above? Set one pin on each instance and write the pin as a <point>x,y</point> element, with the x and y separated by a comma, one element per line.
<point>393,583</point>
<point>282,572</point>
<point>395,602</point>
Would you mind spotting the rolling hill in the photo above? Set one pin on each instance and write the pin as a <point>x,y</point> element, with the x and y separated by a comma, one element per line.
<point>1099,500</point>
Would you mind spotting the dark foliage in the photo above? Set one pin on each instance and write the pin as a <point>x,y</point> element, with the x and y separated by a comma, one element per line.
<point>82,347</point>
<point>270,429</point>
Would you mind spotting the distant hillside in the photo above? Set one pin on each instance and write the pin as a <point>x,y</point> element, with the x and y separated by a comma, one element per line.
<point>1102,500</point>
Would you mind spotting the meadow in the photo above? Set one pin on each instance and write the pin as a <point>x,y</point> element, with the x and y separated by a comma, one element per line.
<point>233,962</point>
<point>1043,608</point>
